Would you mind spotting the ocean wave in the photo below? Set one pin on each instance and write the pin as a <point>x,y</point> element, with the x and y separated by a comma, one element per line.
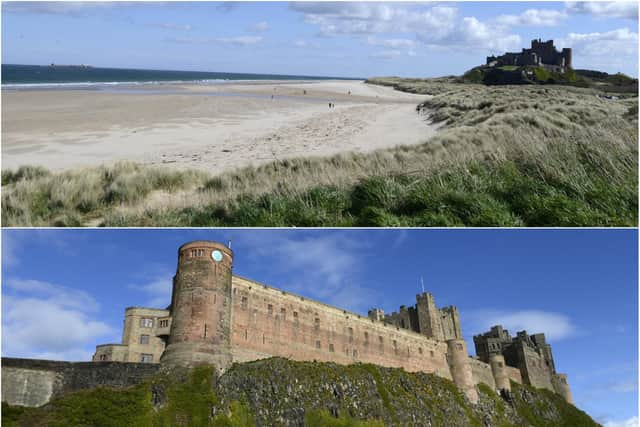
<point>117,83</point>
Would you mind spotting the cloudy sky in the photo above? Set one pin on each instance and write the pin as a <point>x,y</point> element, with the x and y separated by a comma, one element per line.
<point>64,291</point>
<point>349,39</point>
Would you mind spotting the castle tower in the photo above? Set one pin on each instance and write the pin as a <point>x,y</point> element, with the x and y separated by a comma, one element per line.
<point>499,372</point>
<point>429,317</point>
<point>461,369</point>
<point>561,386</point>
<point>201,306</point>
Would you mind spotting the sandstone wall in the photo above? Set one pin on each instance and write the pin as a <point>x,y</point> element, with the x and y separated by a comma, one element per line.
<point>31,382</point>
<point>482,373</point>
<point>514,374</point>
<point>270,322</point>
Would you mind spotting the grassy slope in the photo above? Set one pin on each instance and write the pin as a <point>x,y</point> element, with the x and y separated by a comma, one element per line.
<point>505,156</point>
<point>279,392</point>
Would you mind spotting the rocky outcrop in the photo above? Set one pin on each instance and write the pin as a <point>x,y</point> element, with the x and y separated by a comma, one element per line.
<point>279,392</point>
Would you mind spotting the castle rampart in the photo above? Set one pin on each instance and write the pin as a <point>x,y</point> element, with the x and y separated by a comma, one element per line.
<point>32,382</point>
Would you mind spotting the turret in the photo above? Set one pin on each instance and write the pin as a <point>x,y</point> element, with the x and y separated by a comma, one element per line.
<point>461,372</point>
<point>499,372</point>
<point>201,306</point>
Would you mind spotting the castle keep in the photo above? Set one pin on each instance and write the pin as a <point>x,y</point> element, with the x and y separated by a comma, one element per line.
<point>541,54</point>
<point>217,317</point>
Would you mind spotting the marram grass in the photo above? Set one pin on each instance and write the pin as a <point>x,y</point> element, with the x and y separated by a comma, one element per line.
<point>504,156</point>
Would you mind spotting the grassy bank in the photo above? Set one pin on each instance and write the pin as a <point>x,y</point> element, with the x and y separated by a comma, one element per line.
<point>504,156</point>
<point>280,392</point>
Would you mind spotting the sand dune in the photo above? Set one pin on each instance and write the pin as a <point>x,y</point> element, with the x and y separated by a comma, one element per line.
<point>214,127</point>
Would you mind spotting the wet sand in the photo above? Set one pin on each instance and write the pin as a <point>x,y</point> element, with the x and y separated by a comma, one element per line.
<point>213,127</point>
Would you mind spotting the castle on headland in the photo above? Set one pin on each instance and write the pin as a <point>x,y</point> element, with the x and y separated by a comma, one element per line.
<point>220,318</point>
<point>541,54</point>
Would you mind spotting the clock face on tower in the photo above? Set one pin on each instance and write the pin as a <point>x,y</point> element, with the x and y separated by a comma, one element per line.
<point>216,255</point>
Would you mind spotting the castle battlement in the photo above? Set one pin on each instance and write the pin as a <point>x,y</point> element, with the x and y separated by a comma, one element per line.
<point>220,318</point>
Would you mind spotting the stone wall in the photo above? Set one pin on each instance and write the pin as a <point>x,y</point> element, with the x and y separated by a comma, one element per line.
<point>31,382</point>
<point>482,373</point>
<point>270,322</point>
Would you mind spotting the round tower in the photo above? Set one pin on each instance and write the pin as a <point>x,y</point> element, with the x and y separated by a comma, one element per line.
<point>201,306</point>
<point>499,372</point>
<point>461,368</point>
<point>561,386</point>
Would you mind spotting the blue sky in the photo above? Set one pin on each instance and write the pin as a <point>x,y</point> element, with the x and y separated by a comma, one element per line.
<point>337,39</point>
<point>64,291</point>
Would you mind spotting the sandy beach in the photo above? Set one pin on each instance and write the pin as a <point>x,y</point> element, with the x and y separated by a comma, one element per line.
<point>209,127</point>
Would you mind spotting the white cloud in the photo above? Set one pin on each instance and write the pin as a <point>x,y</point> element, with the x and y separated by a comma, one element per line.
<point>45,320</point>
<point>555,326</point>
<point>606,51</point>
<point>237,41</point>
<point>157,289</point>
<point>260,27</point>
<point>386,54</point>
<point>322,266</point>
<point>241,40</point>
<point>631,422</point>
<point>624,387</point>
<point>533,17</point>
<point>473,34</point>
<point>72,8</point>
<point>437,26</point>
<point>618,9</point>
<point>174,27</point>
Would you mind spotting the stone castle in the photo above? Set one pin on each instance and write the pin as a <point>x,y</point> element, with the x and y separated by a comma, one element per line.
<point>220,318</point>
<point>541,54</point>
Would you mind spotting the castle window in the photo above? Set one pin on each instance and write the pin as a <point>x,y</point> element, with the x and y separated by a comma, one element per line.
<point>146,322</point>
<point>295,318</point>
<point>355,353</point>
<point>270,309</point>
<point>146,358</point>
<point>499,364</point>
<point>431,353</point>
<point>244,302</point>
<point>316,325</point>
<point>103,357</point>
<point>331,349</point>
<point>459,347</point>
<point>200,252</point>
<point>246,335</point>
<point>283,313</point>
<point>420,350</point>
<point>144,339</point>
<point>395,346</point>
<point>350,335</point>
<point>366,339</point>
<point>318,344</point>
<point>164,323</point>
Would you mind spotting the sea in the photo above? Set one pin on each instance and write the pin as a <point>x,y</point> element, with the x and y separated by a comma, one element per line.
<point>82,76</point>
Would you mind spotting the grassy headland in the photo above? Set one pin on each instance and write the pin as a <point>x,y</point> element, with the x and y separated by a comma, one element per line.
<point>504,156</point>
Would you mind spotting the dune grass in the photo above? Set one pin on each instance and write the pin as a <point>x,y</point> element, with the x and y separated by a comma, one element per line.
<point>505,156</point>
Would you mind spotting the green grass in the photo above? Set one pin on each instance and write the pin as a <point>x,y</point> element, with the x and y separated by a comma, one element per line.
<point>504,156</point>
